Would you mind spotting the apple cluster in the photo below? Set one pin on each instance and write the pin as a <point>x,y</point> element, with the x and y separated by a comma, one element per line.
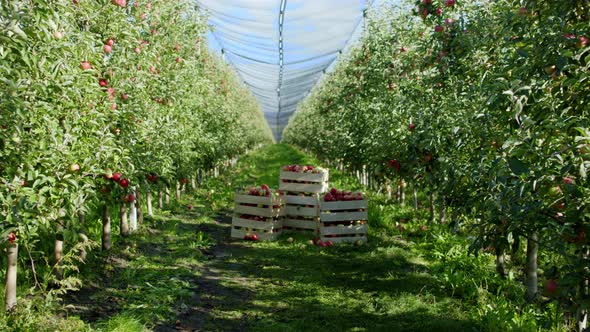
<point>151,178</point>
<point>341,195</point>
<point>118,178</point>
<point>300,169</point>
<point>264,191</point>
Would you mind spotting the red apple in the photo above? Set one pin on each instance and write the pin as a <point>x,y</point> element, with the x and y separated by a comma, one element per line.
<point>438,11</point>
<point>190,207</point>
<point>450,3</point>
<point>120,3</point>
<point>412,126</point>
<point>178,60</point>
<point>124,96</point>
<point>113,106</point>
<point>124,183</point>
<point>329,243</point>
<point>522,11</point>
<point>110,42</point>
<point>11,237</point>
<point>74,167</point>
<point>116,177</point>
<point>439,28</point>
<point>129,198</point>
<point>103,82</point>
<point>85,65</point>
<point>582,42</point>
<point>254,237</point>
<point>551,286</point>
<point>107,49</point>
<point>568,180</point>
<point>137,50</point>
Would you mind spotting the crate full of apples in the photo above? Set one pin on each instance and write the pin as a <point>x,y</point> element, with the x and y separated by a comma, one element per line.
<point>302,212</point>
<point>343,217</point>
<point>307,179</point>
<point>258,214</point>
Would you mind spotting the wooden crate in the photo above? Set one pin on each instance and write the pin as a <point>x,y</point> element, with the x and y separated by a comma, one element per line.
<point>304,182</point>
<point>265,230</point>
<point>269,212</point>
<point>302,213</point>
<point>343,221</point>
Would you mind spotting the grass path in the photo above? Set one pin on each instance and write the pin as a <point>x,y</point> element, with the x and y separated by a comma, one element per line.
<point>182,272</point>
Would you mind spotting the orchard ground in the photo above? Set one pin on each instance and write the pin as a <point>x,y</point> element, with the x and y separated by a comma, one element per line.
<point>182,272</point>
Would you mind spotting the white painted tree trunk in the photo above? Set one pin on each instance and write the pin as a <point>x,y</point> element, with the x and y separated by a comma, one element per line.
<point>132,217</point>
<point>11,268</point>
<point>148,201</point>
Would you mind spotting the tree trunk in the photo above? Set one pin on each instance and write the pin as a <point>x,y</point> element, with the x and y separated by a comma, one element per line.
<point>106,228</point>
<point>193,183</point>
<point>442,213</point>
<point>11,268</point>
<point>582,313</point>
<point>431,206</point>
<point>531,266</point>
<point>177,191</point>
<point>167,196</point>
<point>138,207</point>
<point>82,234</point>
<point>515,258</point>
<point>389,191</point>
<point>132,217</point>
<point>58,249</point>
<point>402,193</point>
<point>415,192</point>
<point>160,202</point>
<point>500,267</point>
<point>124,226</point>
<point>200,177</point>
<point>148,200</point>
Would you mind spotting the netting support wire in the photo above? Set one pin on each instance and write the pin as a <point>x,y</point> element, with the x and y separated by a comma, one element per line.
<point>281,58</point>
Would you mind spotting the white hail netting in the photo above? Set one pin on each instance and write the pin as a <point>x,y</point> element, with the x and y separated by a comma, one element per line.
<point>313,34</point>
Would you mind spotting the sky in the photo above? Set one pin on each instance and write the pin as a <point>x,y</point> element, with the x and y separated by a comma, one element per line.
<point>314,32</point>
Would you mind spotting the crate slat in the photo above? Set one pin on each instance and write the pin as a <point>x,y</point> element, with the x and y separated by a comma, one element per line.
<point>343,205</point>
<point>249,199</point>
<point>304,187</point>
<point>296,210</point>
<point>305,224</point>
<point>302,200</point>
<point>262,212</point>
<point>343,216</point>
<point>301,176</point>
<point>256,225</point>
<point>240,233</point>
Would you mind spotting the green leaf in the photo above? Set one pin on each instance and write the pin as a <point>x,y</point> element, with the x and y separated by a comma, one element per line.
<point>518,167</point>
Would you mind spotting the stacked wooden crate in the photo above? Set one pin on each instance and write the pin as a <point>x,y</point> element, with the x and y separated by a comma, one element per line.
<point>343,219</point>
<point>258,212</point>
<point>302,186</point>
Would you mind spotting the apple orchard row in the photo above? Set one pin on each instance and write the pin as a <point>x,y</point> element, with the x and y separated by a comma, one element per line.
<point>483,106</point>
<point>101,104</point>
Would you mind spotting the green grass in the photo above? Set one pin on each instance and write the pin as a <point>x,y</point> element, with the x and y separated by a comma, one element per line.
<point>181,271</point>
